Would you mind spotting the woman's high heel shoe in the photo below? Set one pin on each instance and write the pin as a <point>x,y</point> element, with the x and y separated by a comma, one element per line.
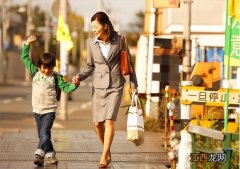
<point>102,165</point>
<point>109,160</point>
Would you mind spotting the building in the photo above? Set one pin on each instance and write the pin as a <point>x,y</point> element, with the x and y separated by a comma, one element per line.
<point>207,40</point>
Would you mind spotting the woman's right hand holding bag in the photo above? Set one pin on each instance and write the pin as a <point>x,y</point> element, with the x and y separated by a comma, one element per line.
<point>135,122</point>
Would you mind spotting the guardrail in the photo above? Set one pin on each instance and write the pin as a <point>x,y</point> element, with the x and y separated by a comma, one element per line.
<point>213,155</point>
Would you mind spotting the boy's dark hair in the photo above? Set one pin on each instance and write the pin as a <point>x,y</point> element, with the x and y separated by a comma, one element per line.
<point>47,59</point>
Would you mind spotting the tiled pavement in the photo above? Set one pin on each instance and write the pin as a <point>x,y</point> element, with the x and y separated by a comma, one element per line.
<point>75,141</point>
<point>81,150</point>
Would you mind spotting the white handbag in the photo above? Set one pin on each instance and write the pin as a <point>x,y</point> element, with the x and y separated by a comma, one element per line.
<point>135,122</point>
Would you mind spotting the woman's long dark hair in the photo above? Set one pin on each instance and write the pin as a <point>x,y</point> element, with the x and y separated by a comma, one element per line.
<point>103,19</point>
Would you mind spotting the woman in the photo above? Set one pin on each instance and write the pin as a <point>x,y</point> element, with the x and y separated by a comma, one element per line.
<point>103,60</point>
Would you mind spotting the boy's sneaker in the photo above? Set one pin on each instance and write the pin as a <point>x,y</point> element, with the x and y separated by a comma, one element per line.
<point>38,160</point>
<point>52,160</point>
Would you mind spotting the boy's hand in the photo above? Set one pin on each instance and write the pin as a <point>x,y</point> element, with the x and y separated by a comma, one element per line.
<point>31,39</point>
<point>76,80</point>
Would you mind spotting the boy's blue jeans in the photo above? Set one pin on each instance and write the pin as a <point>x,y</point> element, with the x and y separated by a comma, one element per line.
<point>44,124</point>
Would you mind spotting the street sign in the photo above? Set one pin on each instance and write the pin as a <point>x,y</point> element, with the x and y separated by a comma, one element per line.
<point>209,96</point>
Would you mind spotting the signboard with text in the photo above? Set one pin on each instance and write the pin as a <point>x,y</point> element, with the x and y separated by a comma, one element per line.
<point>209,97</point>
<point>232,34</point>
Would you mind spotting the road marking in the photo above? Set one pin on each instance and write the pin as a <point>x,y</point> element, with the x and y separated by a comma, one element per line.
<point>6,101</point>
<point>18,99</point>
<point>72,110</point>
<point>58,125</point>
<point>25,84</point>
<point>86,105</point>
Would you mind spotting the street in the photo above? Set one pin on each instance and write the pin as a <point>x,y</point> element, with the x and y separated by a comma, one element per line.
<point>16,109</point>
<point>74,139</point>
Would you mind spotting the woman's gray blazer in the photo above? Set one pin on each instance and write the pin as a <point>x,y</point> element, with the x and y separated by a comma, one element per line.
<point>107,78</point>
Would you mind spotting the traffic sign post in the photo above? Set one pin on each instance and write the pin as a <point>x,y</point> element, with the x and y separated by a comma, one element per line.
<point>63,63</point>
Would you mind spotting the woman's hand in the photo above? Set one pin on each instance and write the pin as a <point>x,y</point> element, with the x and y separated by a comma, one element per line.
<point>31,39</point>
<point>134,90</point>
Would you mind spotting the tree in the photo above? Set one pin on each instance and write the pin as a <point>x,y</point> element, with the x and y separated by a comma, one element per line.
<point>76,26</point>
<point>138,25</point>
<point>136,28</point>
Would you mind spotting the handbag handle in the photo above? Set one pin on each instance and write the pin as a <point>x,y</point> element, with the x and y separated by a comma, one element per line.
<point>120,43</point>
<point>136,101</point>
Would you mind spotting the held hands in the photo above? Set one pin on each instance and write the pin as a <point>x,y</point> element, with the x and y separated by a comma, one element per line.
<point>30,39</point>
<point>76,80</point>
<point>134,90</point>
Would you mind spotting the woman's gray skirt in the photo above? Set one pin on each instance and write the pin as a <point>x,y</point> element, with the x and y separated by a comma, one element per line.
<point>106,103</point>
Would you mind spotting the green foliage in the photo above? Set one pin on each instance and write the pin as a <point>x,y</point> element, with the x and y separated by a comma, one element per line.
<point>137,25</point>
<point>76,26</point>
<point>159,123</point>
<point>209,143</point>
<point>152,125</point>
<point>135,28</point>
<point>235,155</point>
<point>75,22</point>
<point>38,18</point>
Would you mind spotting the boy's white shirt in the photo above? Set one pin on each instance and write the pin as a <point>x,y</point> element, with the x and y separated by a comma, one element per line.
<point>43,93</point>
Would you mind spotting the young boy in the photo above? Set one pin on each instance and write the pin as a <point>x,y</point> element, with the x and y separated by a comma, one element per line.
<point>44,100</point>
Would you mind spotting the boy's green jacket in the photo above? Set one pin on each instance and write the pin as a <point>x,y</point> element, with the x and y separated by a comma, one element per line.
<point>43,87</point>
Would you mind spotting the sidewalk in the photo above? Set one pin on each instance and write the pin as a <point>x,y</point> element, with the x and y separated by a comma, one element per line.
<point>81,150</point>
<point>77,145</point>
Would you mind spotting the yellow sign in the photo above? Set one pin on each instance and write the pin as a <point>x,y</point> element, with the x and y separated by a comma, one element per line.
<point>63,34</point>
<point>166,3</point>
<point>209,97</point>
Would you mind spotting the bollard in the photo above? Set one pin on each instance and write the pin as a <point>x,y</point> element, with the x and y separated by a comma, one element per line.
<point>171,107</point>
<point>167,93</point>
<point>185,109</point>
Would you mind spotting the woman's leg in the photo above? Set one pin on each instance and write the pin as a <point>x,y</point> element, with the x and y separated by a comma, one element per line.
<point>108,138</point>
<point>100,131</point>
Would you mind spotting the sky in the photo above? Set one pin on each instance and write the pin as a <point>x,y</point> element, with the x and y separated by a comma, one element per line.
<point>122,10</point>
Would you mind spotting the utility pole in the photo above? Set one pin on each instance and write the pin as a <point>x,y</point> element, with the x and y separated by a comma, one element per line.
<point>152,18</point>
<point>81,47</point>
<point>74,50</point>
<point>46,32</point>
<point>63,63</point>
<point>1,53</point>
<point>29,28</point>
<point>29,18</point>
<point>6,5</point>
<point>159,18</point>
<point>186,109</point>
<point>187,35</point>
